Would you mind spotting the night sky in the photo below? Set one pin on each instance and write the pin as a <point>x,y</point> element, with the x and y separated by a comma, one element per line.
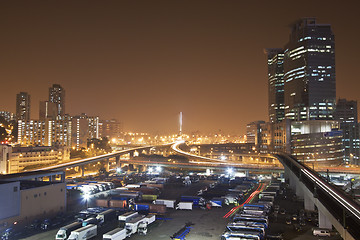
<point>143,62</point>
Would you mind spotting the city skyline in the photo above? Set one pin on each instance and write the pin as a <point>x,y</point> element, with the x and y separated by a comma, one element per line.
<point>143,64</point>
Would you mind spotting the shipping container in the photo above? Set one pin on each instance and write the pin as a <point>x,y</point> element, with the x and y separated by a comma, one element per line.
<point>102,203</point>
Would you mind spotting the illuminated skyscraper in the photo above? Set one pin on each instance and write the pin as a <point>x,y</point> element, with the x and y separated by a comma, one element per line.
<point>276,106</point>
<point>346,114</point>
<point>23,106</point>
<point>57,96</point>
<point>309,71</point>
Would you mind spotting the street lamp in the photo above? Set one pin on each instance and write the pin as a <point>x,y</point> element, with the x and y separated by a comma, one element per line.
<point>87,198</point>
<point>229,171</point>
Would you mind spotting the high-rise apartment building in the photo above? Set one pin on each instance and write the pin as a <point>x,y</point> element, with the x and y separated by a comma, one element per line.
<point>45,133</point>
<point>57,96</point>
<point>309,71</point>
<point>23,106</point>
<point>276,108</point>
<point>83,129</point>
<point>8,116</point>
<point>110,129</point>
<point>47,110</point>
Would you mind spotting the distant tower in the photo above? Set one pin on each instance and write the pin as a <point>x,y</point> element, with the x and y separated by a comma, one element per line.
<point>57,96</point>
<point>180,124</point>
<point>23,106</point>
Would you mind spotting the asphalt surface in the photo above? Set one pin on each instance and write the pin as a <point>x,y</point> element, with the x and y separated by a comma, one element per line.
<point>210,224</point>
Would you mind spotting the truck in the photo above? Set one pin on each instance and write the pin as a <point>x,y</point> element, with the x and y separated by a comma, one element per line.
<point>84,233</point>
<point>106,216</point>
<point>233,198</point>
<point>115,203</point>
<point>157,208</point>
<point>132,225</point>
<point>240,235</point>
<point>89,221</point>
<point>142,207</point>
<point>250,223</point>
<point>121,194</point>
<point>184,206</point>
<point>147,197</point>
<point>167,203</point>
<point>115,234</point>
<point>127,216</point>
<point>142,227</point>
<point>217,202</point>
<point>64,232</point>
<point>147,190</point>
<point>196,200</point>
<point>254,219</point>
<point>237,227</point>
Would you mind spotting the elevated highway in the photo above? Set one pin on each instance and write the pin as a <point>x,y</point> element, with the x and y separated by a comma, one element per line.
<point>335,207</point>
<point>205,161</point>
<point>82,162</point>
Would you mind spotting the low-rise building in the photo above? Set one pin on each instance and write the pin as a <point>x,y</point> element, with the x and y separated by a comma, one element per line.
<point>18,159</point>
<point>317,142</point>
<point>28,196</point>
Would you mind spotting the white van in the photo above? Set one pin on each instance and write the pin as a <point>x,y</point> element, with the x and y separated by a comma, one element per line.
<point>321,232</point>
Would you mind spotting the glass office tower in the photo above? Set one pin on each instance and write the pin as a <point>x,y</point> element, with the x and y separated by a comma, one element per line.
<point>309,71</point>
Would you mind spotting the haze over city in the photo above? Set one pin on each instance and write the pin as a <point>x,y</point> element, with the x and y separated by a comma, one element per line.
<point>143,62</point>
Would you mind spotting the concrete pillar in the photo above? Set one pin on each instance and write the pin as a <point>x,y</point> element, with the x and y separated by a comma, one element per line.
<point>292,181</point>
<point>52,178</point>
<point>107,165</point>
<point>82,170</point>
<point>299,191</point>
<point>117,160</point>
<point>286,174</point>
<point>309,203</point>
<point>63,177</point>
<point>324,222</point>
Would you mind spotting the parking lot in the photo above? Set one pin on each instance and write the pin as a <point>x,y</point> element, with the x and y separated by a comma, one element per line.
<point>210,224</point>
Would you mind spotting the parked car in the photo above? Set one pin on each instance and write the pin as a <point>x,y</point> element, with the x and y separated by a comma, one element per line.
<point>321,232</point>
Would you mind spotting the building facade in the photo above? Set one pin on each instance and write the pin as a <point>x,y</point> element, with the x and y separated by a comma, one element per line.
<point>23,200</point>
<point>33,133</point>
<point>309,71</point>
<point>47,110</point>
<point>8,116</point>
<point>110,129</point>
<point>18,159</point>
<point>57,96</point>
<point>45,133</point>
<point>23,106</point>
<point>317,142</point>
<point>253,131</point>
<point>276,107</point>
<point>83,128</point>
<point>346,114</point>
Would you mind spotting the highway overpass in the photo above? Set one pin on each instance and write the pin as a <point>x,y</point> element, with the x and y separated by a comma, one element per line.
<point>335,207</point>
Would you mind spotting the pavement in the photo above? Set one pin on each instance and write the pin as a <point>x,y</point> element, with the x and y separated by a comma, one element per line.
<point>209,224</point>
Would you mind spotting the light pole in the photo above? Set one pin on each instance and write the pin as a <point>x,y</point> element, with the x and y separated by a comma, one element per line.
<point>87,198</point>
